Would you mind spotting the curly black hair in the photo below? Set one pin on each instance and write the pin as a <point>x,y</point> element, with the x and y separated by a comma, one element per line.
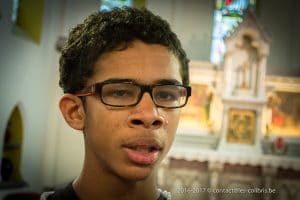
<point>103,32</point>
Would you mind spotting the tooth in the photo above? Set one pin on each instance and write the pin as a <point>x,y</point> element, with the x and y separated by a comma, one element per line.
<point>142,149</point>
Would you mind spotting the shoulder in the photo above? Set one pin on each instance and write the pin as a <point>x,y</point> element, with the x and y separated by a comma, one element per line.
<point>45,195</point>
<point>66,193</point>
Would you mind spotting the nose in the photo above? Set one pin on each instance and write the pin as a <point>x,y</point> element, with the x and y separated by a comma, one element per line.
<point>145,115</point>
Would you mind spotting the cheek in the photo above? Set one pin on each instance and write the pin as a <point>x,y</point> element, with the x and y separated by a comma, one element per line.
<point>103,124</point>
<point>173,120</point>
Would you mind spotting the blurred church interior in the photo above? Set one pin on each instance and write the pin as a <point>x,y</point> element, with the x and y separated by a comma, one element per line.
<point>239,136</point>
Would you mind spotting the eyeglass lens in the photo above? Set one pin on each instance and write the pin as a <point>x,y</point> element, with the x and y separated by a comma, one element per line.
<point>126,94</point>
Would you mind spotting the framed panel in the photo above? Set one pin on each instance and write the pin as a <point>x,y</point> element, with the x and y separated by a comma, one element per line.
<point>283,107</point>
<point>241,126</point>
<point>284,114</point>
<point>195,115</point>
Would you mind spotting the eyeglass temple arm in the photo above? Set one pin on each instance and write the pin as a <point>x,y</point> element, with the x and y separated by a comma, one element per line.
<point>189,91</point>
<point>83,94</point>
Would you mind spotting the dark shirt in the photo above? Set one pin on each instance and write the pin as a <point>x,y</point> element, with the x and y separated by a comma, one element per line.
<point>68,193</point>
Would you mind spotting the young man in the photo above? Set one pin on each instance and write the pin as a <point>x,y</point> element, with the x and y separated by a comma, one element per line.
<point>125,79</point>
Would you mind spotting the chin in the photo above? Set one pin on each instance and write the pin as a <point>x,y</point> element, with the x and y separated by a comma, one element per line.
<point>137,173</point>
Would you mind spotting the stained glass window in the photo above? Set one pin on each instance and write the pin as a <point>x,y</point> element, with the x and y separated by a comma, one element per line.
<point>109,4</point>
<point>15,9</point>
<point>228,14</point>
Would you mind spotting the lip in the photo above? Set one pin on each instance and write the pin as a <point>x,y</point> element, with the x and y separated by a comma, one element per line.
<point>143,151</point>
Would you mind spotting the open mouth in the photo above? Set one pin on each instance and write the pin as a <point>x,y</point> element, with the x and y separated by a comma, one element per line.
<point>144,148</point>
<point>143,152</point>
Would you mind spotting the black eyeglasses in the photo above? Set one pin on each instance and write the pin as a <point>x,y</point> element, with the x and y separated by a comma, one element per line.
<point>125,94</point>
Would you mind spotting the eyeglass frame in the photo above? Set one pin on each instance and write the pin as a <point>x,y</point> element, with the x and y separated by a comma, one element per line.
<point>96,89</point>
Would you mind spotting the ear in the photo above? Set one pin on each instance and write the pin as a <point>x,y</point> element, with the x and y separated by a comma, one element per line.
<point>72,109</point>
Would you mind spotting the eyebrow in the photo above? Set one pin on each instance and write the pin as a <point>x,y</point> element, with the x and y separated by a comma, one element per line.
<point>168,81</point>
<point>160,81</point>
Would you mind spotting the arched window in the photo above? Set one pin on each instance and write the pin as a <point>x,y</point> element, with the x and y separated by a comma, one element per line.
<point>12,151</point>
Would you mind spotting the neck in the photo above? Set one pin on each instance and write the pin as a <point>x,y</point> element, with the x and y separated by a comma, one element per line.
<point>97,183</point>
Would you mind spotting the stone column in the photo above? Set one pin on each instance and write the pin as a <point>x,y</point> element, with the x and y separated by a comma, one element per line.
<point>215,169</point>
<point>268,175</point>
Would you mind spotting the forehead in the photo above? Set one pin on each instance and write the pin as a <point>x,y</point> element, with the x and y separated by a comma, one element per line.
<point>140,61</point>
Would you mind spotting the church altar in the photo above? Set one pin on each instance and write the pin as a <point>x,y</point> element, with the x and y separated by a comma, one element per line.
<point>235,139</point>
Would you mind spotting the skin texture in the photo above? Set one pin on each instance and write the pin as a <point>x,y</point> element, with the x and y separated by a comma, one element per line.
<point>107,172</point>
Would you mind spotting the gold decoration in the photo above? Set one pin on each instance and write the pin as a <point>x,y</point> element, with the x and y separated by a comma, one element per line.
<point>241,126</point>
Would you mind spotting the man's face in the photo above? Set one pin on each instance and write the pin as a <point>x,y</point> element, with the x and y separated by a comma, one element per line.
<point>130,142</point>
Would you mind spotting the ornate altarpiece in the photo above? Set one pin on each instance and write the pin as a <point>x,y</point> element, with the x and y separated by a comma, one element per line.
<point>233,147</point>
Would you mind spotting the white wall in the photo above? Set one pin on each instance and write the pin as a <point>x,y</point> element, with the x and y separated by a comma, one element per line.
<point>282,20</point>
<point>64,150</point>
<point>192,21</point>
<point>27,78</point>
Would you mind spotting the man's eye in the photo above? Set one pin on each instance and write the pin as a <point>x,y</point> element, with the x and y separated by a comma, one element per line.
<point>120,93</point>
<point>166,96</point>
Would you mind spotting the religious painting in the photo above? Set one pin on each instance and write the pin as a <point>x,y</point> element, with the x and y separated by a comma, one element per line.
<point>195,115</point>
<point>241,126</point>
<point>284,114</point>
